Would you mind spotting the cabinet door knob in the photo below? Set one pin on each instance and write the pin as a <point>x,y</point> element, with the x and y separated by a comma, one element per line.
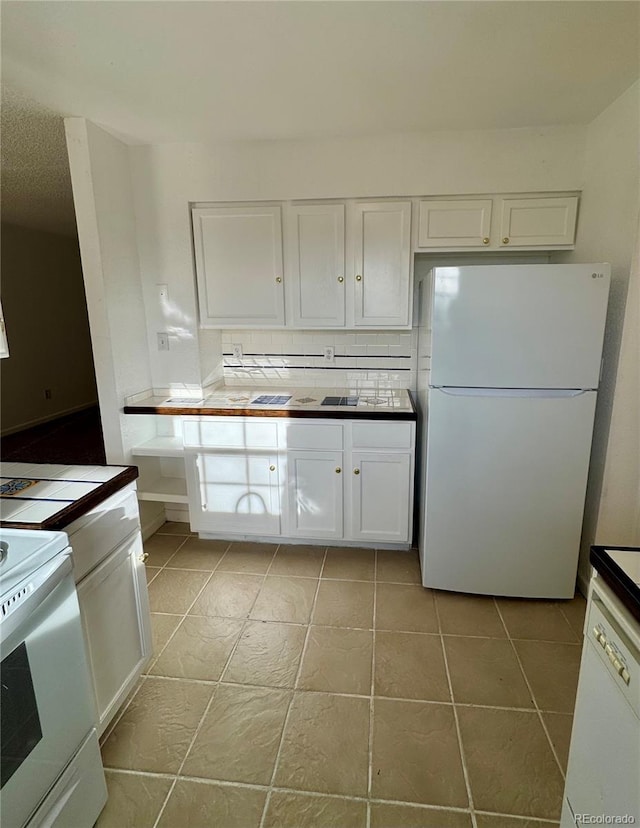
<point>341,279</point>
<point>144,557</point>
<point>272,468</point>
<point>356,471</point>
<point>485,240</point>
<point>358,278</point>
<point>338,470</point>
<point>278,279</point>
<point>505,240</point>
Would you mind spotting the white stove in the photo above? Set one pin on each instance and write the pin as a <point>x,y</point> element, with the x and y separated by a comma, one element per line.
<point>50,765</point>
<point>22,552</point>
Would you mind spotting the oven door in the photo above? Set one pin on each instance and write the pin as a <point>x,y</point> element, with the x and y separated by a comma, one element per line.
<point>46,699</point>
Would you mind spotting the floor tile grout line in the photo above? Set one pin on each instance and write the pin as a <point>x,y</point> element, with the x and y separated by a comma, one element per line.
<point>207,706</point>
<point>463,761</point>
<point>372,686</point>
<point>310,794</point>
<point>293,692</point>
<point>532,694</point>
<point>248,618</point>
<point>165,801</point>
<point>184,615</point>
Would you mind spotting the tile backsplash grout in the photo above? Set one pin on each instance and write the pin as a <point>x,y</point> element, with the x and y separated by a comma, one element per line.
<point>295,358</point>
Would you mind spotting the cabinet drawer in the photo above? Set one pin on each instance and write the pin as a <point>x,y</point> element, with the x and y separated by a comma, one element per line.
<point>311,436</point>
<point>96,534</point>
<point>231,433</point>
<point>382,435</point>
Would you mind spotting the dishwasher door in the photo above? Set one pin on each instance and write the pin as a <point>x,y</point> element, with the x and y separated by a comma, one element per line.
<point>603,776</point>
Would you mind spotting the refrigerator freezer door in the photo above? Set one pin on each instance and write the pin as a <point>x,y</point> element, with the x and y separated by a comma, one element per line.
<point>519,326</point>
<point>506,480</point>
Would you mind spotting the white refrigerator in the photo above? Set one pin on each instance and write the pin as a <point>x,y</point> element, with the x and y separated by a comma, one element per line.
<point>509,365</point>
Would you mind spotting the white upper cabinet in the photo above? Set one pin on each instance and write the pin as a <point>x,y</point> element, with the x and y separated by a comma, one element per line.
<point>382,264</point>
<point>454,223</point>
<point>538,222</point>
<point>239,269</point>
<point>316,265</point>
<point>529,222</point>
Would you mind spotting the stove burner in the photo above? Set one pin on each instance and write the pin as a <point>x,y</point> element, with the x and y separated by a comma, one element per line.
<point>4,551</point>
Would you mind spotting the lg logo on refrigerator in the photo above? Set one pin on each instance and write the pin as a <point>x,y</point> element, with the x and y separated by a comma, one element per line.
<point>597,275</point>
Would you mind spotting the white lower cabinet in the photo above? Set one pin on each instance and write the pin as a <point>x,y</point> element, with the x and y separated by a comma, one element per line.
<point>108,565</point>
<point>114,608</point>
<point>234,491</point>
<point>381,485</point>
<point>325,480</point>
<point>314,494</point>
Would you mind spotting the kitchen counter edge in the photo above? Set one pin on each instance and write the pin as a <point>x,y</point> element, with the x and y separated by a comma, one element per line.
<point>614,576</point>
<point>314,414</point>
<point>75,510</point>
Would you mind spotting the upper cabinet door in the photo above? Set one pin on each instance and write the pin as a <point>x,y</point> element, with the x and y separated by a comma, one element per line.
<point>453,223</point>
<point>238,252</point>
<point>531,222</point>
<point>382,264</point>
<point>316,265</point>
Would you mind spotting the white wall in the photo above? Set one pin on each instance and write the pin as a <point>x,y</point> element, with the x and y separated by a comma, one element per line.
<point>607,231</point>
<point>103,199</point>
<point>46,318</point>
<point>167,177</point>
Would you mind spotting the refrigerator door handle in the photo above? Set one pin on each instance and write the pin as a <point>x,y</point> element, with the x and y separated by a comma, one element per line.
<point>545,393</point>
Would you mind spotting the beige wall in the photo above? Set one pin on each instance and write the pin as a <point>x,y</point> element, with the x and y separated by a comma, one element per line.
<point>46,319</point>
<point>607,232</point>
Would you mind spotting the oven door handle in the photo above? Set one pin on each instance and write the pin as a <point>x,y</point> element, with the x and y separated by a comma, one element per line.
<point>19,606</point>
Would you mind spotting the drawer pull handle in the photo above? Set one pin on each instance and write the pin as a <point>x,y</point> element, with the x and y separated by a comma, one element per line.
<point>338,470</point>
<point>358,278</point>
<point>279,279</point>
<point>505,240</point>
<point>272,468</point>
<point>356,471</point>
<point>341,279</point>
<point>144,557</point>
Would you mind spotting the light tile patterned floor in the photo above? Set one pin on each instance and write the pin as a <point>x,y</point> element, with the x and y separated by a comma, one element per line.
<point>304,687</point>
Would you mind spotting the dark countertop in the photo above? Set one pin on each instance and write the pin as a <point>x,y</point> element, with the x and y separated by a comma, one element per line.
<point>300,402</point>
<point>52,496</point>
<point>619,568</point>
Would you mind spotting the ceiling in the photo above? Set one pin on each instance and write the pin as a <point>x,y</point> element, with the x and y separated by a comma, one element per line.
<point>155,72</point>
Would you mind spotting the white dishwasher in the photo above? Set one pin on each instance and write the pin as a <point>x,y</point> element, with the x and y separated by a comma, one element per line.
<point>603,775</point>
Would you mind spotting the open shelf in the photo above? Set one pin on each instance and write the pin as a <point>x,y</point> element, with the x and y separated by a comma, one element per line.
<point>164,489</point>
<point>160,447</point>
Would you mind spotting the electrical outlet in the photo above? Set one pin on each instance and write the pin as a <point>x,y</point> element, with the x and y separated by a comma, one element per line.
<point>237,351</point>
<point>329,353</point>
<point>163,341</point>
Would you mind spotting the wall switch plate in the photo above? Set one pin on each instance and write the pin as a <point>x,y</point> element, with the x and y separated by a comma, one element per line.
<point>237,351</point>
<point>163,341</point>
<point>329,353</point>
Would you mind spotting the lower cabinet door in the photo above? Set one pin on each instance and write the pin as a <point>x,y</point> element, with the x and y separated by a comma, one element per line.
<point>114,607</point>
<point>380,497</point>
<point>234,492</point>
<point>314,494</point>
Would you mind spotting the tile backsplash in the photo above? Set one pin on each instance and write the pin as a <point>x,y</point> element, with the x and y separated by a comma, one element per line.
<point>296,358</point>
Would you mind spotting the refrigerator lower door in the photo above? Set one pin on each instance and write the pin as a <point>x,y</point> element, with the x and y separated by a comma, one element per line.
<point>506,476</point>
